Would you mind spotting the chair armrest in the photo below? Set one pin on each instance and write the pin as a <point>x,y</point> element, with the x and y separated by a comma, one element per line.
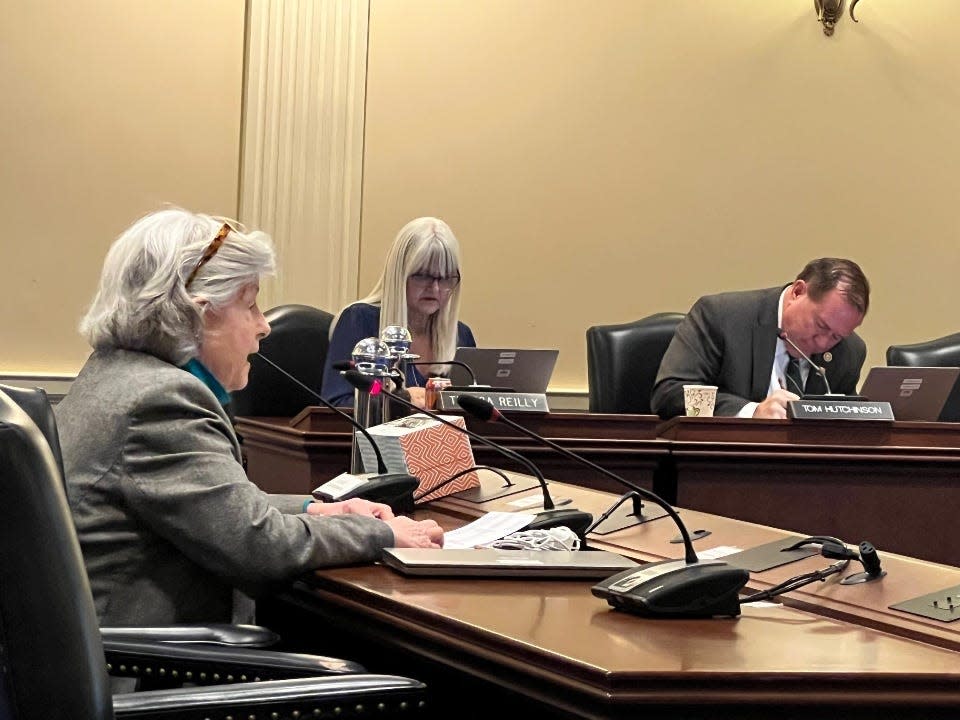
<point>215,634</point>
<point>212,664</point>
<point>349,695</point>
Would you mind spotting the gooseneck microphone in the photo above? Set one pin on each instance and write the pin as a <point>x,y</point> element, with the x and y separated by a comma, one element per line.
<point>473,376</point>
<point>395,489</point>
<point>671,588</point>
<point>575,519</point>
<point>821,371</point>
<point>484,410</point>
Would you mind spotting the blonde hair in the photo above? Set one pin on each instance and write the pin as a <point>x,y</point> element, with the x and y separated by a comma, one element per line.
<point>142,302</point>
<point>428,245</point>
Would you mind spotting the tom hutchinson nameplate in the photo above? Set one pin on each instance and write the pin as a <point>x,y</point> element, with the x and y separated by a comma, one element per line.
<point>503,401</point>
<point>839,410</point>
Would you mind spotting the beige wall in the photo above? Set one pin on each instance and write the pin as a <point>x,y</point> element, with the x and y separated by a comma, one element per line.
<point>110,108</point>
<point>599,161</point>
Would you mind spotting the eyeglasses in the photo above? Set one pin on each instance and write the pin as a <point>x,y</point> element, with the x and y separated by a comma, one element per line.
<point>444,283</point>
<point>209,252</point>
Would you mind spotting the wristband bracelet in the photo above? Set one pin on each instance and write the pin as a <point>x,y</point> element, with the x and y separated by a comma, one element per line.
<point>307,503</point>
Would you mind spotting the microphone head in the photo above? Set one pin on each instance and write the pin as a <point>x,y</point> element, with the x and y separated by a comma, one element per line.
<point>363,383</point>
<point>478,407</point>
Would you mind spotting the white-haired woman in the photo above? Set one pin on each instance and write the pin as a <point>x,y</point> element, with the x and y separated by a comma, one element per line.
<point>168,522</point>
<point>420,290</point>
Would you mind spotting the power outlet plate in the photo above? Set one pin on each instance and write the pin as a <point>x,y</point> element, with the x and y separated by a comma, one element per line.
<point>943,605</point>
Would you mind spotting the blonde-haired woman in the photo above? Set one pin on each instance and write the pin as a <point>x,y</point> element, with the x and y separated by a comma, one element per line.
<point>420,290</point>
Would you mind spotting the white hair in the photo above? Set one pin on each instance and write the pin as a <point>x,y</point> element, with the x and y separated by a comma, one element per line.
<point>143,303</point>
<point>425,245</point>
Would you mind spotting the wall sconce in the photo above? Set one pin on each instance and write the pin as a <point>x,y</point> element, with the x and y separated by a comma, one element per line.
<point>829,13</point>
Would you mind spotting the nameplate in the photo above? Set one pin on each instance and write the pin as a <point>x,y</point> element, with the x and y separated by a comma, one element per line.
<point>507,402</point>
<point>839,410</point>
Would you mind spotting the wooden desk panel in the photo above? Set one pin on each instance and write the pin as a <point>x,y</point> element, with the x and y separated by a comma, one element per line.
<point>833,648</point>
<point>895,484</point>
<point>294,456</point>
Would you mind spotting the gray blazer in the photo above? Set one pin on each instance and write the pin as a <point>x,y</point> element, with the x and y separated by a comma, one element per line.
<point>168,523</point>
<point>729,340</point>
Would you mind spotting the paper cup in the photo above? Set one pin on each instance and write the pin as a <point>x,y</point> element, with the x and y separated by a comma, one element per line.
<point>699,400</point>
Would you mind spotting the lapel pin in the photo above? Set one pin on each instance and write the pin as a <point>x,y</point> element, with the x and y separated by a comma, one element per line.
<point>827,356</point>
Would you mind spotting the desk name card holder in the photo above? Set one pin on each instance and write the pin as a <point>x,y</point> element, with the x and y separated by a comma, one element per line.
<point>503,401</point>
<point>839,409</point>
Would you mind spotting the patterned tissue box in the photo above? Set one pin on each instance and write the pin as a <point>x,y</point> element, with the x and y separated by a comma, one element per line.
<point>424,448</point>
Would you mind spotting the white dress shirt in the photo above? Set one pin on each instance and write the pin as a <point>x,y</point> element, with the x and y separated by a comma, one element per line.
<point>778,373</point>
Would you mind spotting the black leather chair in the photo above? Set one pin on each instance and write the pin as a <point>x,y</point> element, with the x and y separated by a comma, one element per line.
<point>36,404</point>
<point>623,360</point>
<point>52,660</point>
<point>941,352</point>
<point>298,342</point>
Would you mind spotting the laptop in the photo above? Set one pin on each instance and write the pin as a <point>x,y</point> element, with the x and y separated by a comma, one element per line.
<point>519,370</point>
<point>494,562</point>
<point>914,393</point>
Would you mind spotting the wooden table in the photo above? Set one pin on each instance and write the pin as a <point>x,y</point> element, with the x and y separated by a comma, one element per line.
<point>895,484</point>
<point>494,647</point>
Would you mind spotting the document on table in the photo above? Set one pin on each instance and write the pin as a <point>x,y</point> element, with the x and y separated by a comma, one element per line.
<point>486,529</point>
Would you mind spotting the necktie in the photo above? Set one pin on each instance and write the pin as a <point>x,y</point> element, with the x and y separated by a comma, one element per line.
<point>794,377</point>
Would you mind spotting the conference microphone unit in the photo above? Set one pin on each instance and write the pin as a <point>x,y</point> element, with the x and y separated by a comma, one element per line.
<point>577,520</point>
<point>821,371</point>
<point>667,589</point>
<point>620,516</point>
<point>393,489</point>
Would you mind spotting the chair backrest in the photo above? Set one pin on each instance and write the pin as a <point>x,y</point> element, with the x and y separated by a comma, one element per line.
<point>35,403</point>
<point>51,654</point>
<point>623,360</point>
<point>298,342</point>
<point>942,352</point>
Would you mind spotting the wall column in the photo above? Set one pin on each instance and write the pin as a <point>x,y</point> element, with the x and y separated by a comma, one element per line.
<point>302,143</point>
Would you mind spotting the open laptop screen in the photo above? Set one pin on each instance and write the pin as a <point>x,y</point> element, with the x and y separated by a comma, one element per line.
<point>914,393</point>
<point>520,370</point>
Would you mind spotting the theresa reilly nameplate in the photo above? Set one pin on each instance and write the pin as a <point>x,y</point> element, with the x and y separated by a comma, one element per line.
<point>505,402</point>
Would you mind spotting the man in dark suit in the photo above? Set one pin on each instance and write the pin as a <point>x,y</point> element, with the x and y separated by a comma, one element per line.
<point>732,340</point>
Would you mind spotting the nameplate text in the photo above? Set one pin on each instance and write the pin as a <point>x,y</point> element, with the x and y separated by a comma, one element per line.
<point>505,402</point>
<point>839,410</point>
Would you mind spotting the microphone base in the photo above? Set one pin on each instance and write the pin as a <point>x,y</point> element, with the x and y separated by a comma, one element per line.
<point>676,589</point>
<point>628,515</point>
<point>833,396</point>
<point>577,520</point>
<point>393,489</point>
<point>862,577</point>
<point>491,490</point>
